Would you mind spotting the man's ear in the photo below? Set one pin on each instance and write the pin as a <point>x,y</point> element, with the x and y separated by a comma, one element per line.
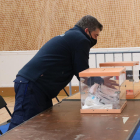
<point>87,31</point>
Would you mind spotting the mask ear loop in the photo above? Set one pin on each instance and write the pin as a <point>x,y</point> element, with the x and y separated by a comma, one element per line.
<point>90,34</point>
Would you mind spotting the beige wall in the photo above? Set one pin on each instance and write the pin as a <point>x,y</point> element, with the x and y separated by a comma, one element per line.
<point>28,24</point>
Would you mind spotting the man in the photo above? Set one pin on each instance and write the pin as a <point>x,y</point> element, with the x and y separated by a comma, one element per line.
<point>52,68</point>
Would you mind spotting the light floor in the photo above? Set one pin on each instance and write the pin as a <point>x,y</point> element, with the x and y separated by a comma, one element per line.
<point>4,116</point>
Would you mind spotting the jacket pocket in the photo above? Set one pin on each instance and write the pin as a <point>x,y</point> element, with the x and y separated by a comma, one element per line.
<point>21,80</point>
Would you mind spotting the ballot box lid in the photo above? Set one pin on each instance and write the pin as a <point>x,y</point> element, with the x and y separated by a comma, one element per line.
<point>124,63</point>
<point>102,72</point>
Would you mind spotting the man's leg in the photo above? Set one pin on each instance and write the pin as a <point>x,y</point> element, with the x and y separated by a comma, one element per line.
<point>29,101</point>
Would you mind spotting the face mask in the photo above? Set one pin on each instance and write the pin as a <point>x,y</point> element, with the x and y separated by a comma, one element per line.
<point>93,41</point>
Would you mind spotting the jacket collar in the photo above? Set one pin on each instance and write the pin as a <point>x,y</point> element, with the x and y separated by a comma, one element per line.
<point>76,26</point>
<point>92,42</point>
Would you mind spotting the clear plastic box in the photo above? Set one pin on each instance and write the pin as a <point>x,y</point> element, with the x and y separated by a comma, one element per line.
<point>132,76</point>
<point>98,95</point>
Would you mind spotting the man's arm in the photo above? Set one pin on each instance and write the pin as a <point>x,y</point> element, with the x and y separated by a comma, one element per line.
<point>80,62</point>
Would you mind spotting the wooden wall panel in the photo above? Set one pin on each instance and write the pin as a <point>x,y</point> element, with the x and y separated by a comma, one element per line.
<point>9,91</point>
<point>28,24</point>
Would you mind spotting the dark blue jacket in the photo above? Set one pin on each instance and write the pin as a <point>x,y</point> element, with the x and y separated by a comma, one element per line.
<point>62,57</point>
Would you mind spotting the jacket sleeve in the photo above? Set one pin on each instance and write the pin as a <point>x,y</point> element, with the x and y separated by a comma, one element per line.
<point>80,61</point>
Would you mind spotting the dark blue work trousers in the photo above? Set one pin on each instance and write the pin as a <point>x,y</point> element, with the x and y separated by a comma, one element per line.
<point>29,101</point>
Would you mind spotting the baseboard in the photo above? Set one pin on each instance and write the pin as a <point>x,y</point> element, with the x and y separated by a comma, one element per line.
<point>74,90</point>
<point>9,91</point>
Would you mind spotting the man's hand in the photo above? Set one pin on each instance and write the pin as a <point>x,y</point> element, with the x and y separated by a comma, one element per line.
<point>110,83</point>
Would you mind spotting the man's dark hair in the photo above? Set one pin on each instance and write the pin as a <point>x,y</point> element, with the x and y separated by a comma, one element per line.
<point>89,22</point>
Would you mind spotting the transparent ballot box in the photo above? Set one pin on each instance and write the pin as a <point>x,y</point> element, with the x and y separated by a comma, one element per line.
<point>132,76</point>
<point>102,90</point>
